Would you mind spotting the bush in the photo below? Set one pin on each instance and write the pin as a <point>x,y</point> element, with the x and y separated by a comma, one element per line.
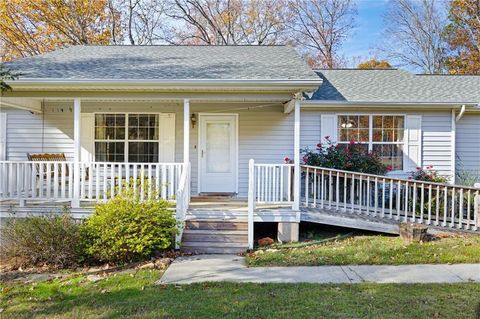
<point>126,229</point>
<point>349,157</point>
<point>428,175</point>
<point>50,240</point>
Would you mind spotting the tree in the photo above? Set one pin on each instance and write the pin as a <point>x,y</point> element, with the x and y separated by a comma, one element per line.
<point>6,75</point>
<point>37,26</point>
<point>374,64</point>
<point>414,35</point>
<point>223,22</point>
<point>320,27</point>
<point>463,34</point>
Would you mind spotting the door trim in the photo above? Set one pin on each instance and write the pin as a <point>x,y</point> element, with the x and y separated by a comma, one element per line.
<point>200,115</point>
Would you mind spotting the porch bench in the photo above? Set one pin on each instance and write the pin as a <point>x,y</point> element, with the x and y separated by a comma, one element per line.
<point>41,158</point>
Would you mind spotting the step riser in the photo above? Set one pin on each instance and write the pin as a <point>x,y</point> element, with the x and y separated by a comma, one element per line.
<point>216,225</point>
<point>214,238</point>
<point>213,250</point>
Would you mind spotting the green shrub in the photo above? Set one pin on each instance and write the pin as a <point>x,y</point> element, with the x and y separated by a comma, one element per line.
<point>353,157</point>
<point>47,240</point>
<point>126,229</point>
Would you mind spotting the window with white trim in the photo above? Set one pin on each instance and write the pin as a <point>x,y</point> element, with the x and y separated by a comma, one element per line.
<point>127,137</point>
<point>383,134</point>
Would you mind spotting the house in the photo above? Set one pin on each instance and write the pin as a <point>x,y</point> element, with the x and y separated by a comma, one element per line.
<point>184,121</point>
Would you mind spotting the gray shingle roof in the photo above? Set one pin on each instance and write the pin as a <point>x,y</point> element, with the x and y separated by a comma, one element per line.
<point>396,86</point>
<point>167,63</point>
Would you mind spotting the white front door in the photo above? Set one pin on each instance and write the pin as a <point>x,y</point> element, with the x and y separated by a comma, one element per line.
<point>218,153</point>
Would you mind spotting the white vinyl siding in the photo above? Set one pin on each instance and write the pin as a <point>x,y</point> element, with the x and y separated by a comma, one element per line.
<point>436,141</point>
<point>265,133</point>
<point>51,132</point>
<point>468,143</point>
<point>3,136</point>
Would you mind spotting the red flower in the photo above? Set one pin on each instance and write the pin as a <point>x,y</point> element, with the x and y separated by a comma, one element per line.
<point>389,168</point>
<point>419,168</point>
<point>352,142</point>
<point>305,159</point>
<point>286,159</point>
<point>337,146</point>
<point>319,145</point>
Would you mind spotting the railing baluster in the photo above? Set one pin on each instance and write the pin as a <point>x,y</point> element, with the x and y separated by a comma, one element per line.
<point>360,194</point>
<point>157,180</point>
<point>406,202</point>
<point>452,223</point>
<point>390,199</point>
<point>323,188</point>
<point>399,197</point>
<point>445,207</point>
<point>437,207</point>
<point>352,194</point>
<point>337,191</point>
<point>469,208</point>
<point>383,198</point>
<point>429,220</point>
<point>330,191</point>
<point>306,187</point>
<point>142,181</point>
<point>345,180</point>
<point>414,202</point>
<point>105,186</point>
<point>460,209</point>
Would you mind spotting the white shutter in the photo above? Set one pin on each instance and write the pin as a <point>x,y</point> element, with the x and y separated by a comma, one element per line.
<point>328,127</point>
<point>87,134</point>
<point>167,138</point>
<point>413,143</point>
<point>3,136</point>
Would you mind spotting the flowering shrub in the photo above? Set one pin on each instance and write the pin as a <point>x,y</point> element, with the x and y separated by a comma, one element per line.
<point>350,157</point>
<point>428,175</point>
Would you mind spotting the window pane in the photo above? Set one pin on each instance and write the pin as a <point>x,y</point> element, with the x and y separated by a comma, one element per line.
<point>377,121</point>
<point>364,121</point>
<point>390,154</point>
<point>143,152</point>
<point>109,151</point>
<point>363,135</point>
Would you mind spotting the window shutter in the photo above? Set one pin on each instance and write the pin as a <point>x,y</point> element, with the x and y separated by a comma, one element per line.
<point>87,131</point>
<point>413,145</point>
<point>3,136</point>
<point>167,138</point>
<point>328,127</point>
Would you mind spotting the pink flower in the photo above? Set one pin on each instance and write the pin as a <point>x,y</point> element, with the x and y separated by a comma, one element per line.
<point>305,159</point>
<point>286,159</point>
<point>389,168</point>
<point>352,142</point>
<point>419,168</point>
<point>319,145</point>
<point>337,146</point>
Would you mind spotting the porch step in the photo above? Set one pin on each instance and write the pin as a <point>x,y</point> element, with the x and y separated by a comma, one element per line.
<point>215,237</point>
<point>215,224</point>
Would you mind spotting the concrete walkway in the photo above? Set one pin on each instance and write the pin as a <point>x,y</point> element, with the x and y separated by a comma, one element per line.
<point>201,268</point>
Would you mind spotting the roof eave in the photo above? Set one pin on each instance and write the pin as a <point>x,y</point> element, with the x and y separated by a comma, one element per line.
<point>139,84</point>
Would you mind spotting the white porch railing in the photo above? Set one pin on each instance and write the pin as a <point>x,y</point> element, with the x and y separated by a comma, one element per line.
<point>268,184</point>
<point>53,181</point>
<point>442,205</point>
<point>182,201</point>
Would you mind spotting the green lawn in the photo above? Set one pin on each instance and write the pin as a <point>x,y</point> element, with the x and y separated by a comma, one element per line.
<point>372,250</point>
<point>124,296</point>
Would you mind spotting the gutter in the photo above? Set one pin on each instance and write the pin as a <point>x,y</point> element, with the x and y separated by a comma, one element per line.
<point>336,104</point>
<point>26,83</point>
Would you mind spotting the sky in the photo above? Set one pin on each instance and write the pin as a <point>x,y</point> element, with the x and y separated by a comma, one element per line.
<point>361,43</point>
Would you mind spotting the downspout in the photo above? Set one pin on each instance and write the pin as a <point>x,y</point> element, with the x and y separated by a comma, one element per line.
<point>454,120</point>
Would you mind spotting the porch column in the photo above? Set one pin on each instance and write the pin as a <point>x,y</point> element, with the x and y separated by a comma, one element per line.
<point>296,157</point>
<point>186,131</point>
<point>76,153</point>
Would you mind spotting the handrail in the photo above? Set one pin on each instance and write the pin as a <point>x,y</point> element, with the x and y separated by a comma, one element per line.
<point>408,200</point>
<point>182,201</point>
<point>388,177</point>
<point>268,184</point>
<point>96,181</point>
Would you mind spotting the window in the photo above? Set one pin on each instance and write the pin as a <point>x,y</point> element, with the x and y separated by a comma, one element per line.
<point>134,137</point>
<point>383,134</point>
